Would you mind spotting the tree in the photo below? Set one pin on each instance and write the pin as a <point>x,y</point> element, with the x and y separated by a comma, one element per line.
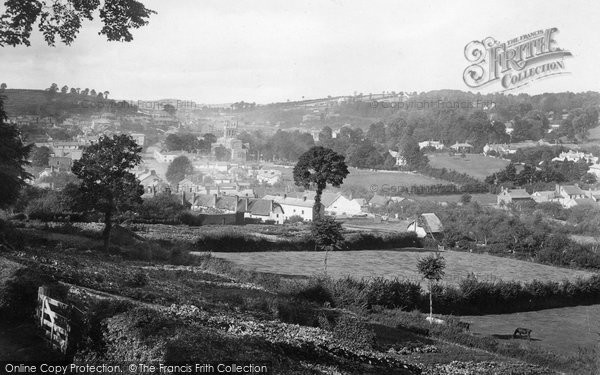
<point>170,109</point>
<point>53,88</point>
<point>93,92</point>
<point>64,89</point>
<point>173,142</point>
<point>40,156</point>
<point>3,86</point>
<point>222,154</point>
<point>177,170</point>
<point>413,155</point>
<point>13,159</point>
<point>466,198</point>
<point>106,93</point>
<point>327,234</point>
<point>106,183</point>
<point>320,166</point>
<point>432,269</point>
<point>64,19</point>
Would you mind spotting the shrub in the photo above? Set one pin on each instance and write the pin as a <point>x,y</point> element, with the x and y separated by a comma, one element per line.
<point>295,219</point>
<point>354,332</point>
<point>138,279</point>
<point>18,295</point>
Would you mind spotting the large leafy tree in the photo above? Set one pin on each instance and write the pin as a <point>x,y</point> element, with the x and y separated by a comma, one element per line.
<point>40,156</point>
<point>13,159</point>
<point>64,18</point>
<point>318,167</point>
<point>177,170</point>
<point>107,186</point>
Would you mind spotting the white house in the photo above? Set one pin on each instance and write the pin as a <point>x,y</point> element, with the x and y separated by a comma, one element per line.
<point>431,144</point>
<point>166,157</point>
<point>268,176</point>
<point>575,156</point>
<point>302,207</point>
<point>400,160</point>
<point>339,205</point>
<point>427,224</point>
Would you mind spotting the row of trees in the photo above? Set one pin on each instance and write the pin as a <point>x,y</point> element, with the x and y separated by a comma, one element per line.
<point>190,142</point>
<point>549,172</point>
<point>77,91</point>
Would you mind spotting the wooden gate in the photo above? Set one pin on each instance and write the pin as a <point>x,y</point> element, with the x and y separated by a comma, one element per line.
<point>53,317</point>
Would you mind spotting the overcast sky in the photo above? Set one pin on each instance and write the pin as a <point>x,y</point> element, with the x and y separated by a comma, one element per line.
<point>264,51</point>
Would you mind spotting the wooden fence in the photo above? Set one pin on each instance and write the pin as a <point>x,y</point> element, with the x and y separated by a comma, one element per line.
<point>54,319</point>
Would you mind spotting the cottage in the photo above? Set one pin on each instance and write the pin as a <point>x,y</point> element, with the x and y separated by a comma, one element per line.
<point>462,147</point>
<point>514,196</point>
<point>400,160</point>
<point>379,201</point>
<point>425,225</point>
<point>62,163</point>
<point>569,192</point>
<point>437,145</point>
<point>337,204</point>
<point>302,207</point>
<point>265,210</point>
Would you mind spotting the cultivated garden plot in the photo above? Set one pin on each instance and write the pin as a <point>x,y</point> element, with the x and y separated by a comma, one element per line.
<point>401,264</point>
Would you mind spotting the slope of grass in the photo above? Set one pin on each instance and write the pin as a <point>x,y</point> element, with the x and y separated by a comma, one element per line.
<point>475,165</point>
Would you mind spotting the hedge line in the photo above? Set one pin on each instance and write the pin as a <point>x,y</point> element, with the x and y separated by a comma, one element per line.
<point>241,242</point>
<point>470,297</point>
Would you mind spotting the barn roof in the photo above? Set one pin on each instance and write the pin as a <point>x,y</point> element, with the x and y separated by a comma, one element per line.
<point>432,223</point>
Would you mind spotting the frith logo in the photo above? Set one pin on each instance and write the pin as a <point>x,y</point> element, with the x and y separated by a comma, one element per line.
<point>515,63</point>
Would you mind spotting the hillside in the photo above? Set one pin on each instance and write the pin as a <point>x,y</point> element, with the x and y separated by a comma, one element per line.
<point>43,103</point>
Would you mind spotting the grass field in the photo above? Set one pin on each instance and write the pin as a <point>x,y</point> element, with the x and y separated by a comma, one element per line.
<point>366,178</point>
<point>401,264</point>
<point>559,330</point>
<point>475,165</point>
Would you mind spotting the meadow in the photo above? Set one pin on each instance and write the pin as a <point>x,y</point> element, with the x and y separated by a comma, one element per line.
<point>475,165</point>
<point>366,178</point>
<point>560,330</point>
<point>388,179</point>
<point>402,264</point>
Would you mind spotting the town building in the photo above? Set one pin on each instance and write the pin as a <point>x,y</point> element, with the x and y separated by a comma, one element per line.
<point>462,147</point>
<point>513,196</point>
<point>431,144</point>
<point>427,225</point>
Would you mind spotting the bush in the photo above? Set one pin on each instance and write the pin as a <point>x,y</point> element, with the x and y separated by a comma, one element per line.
<point>295,219</point>
<point>18,295</point>
<point>354,332</point>
<point>138,279</point>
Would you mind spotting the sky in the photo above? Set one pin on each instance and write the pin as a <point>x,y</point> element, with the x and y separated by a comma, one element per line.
<point>266,51</point>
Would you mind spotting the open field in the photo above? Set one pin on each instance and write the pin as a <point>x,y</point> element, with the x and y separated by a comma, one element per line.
<point>401,264</point>
<point>558,330</point>
<point>475,165</point>
<point>366,178</point>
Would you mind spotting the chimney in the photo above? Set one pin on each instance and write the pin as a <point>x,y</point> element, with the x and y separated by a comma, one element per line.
<point>304,198</point>
<point>215,200</point>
